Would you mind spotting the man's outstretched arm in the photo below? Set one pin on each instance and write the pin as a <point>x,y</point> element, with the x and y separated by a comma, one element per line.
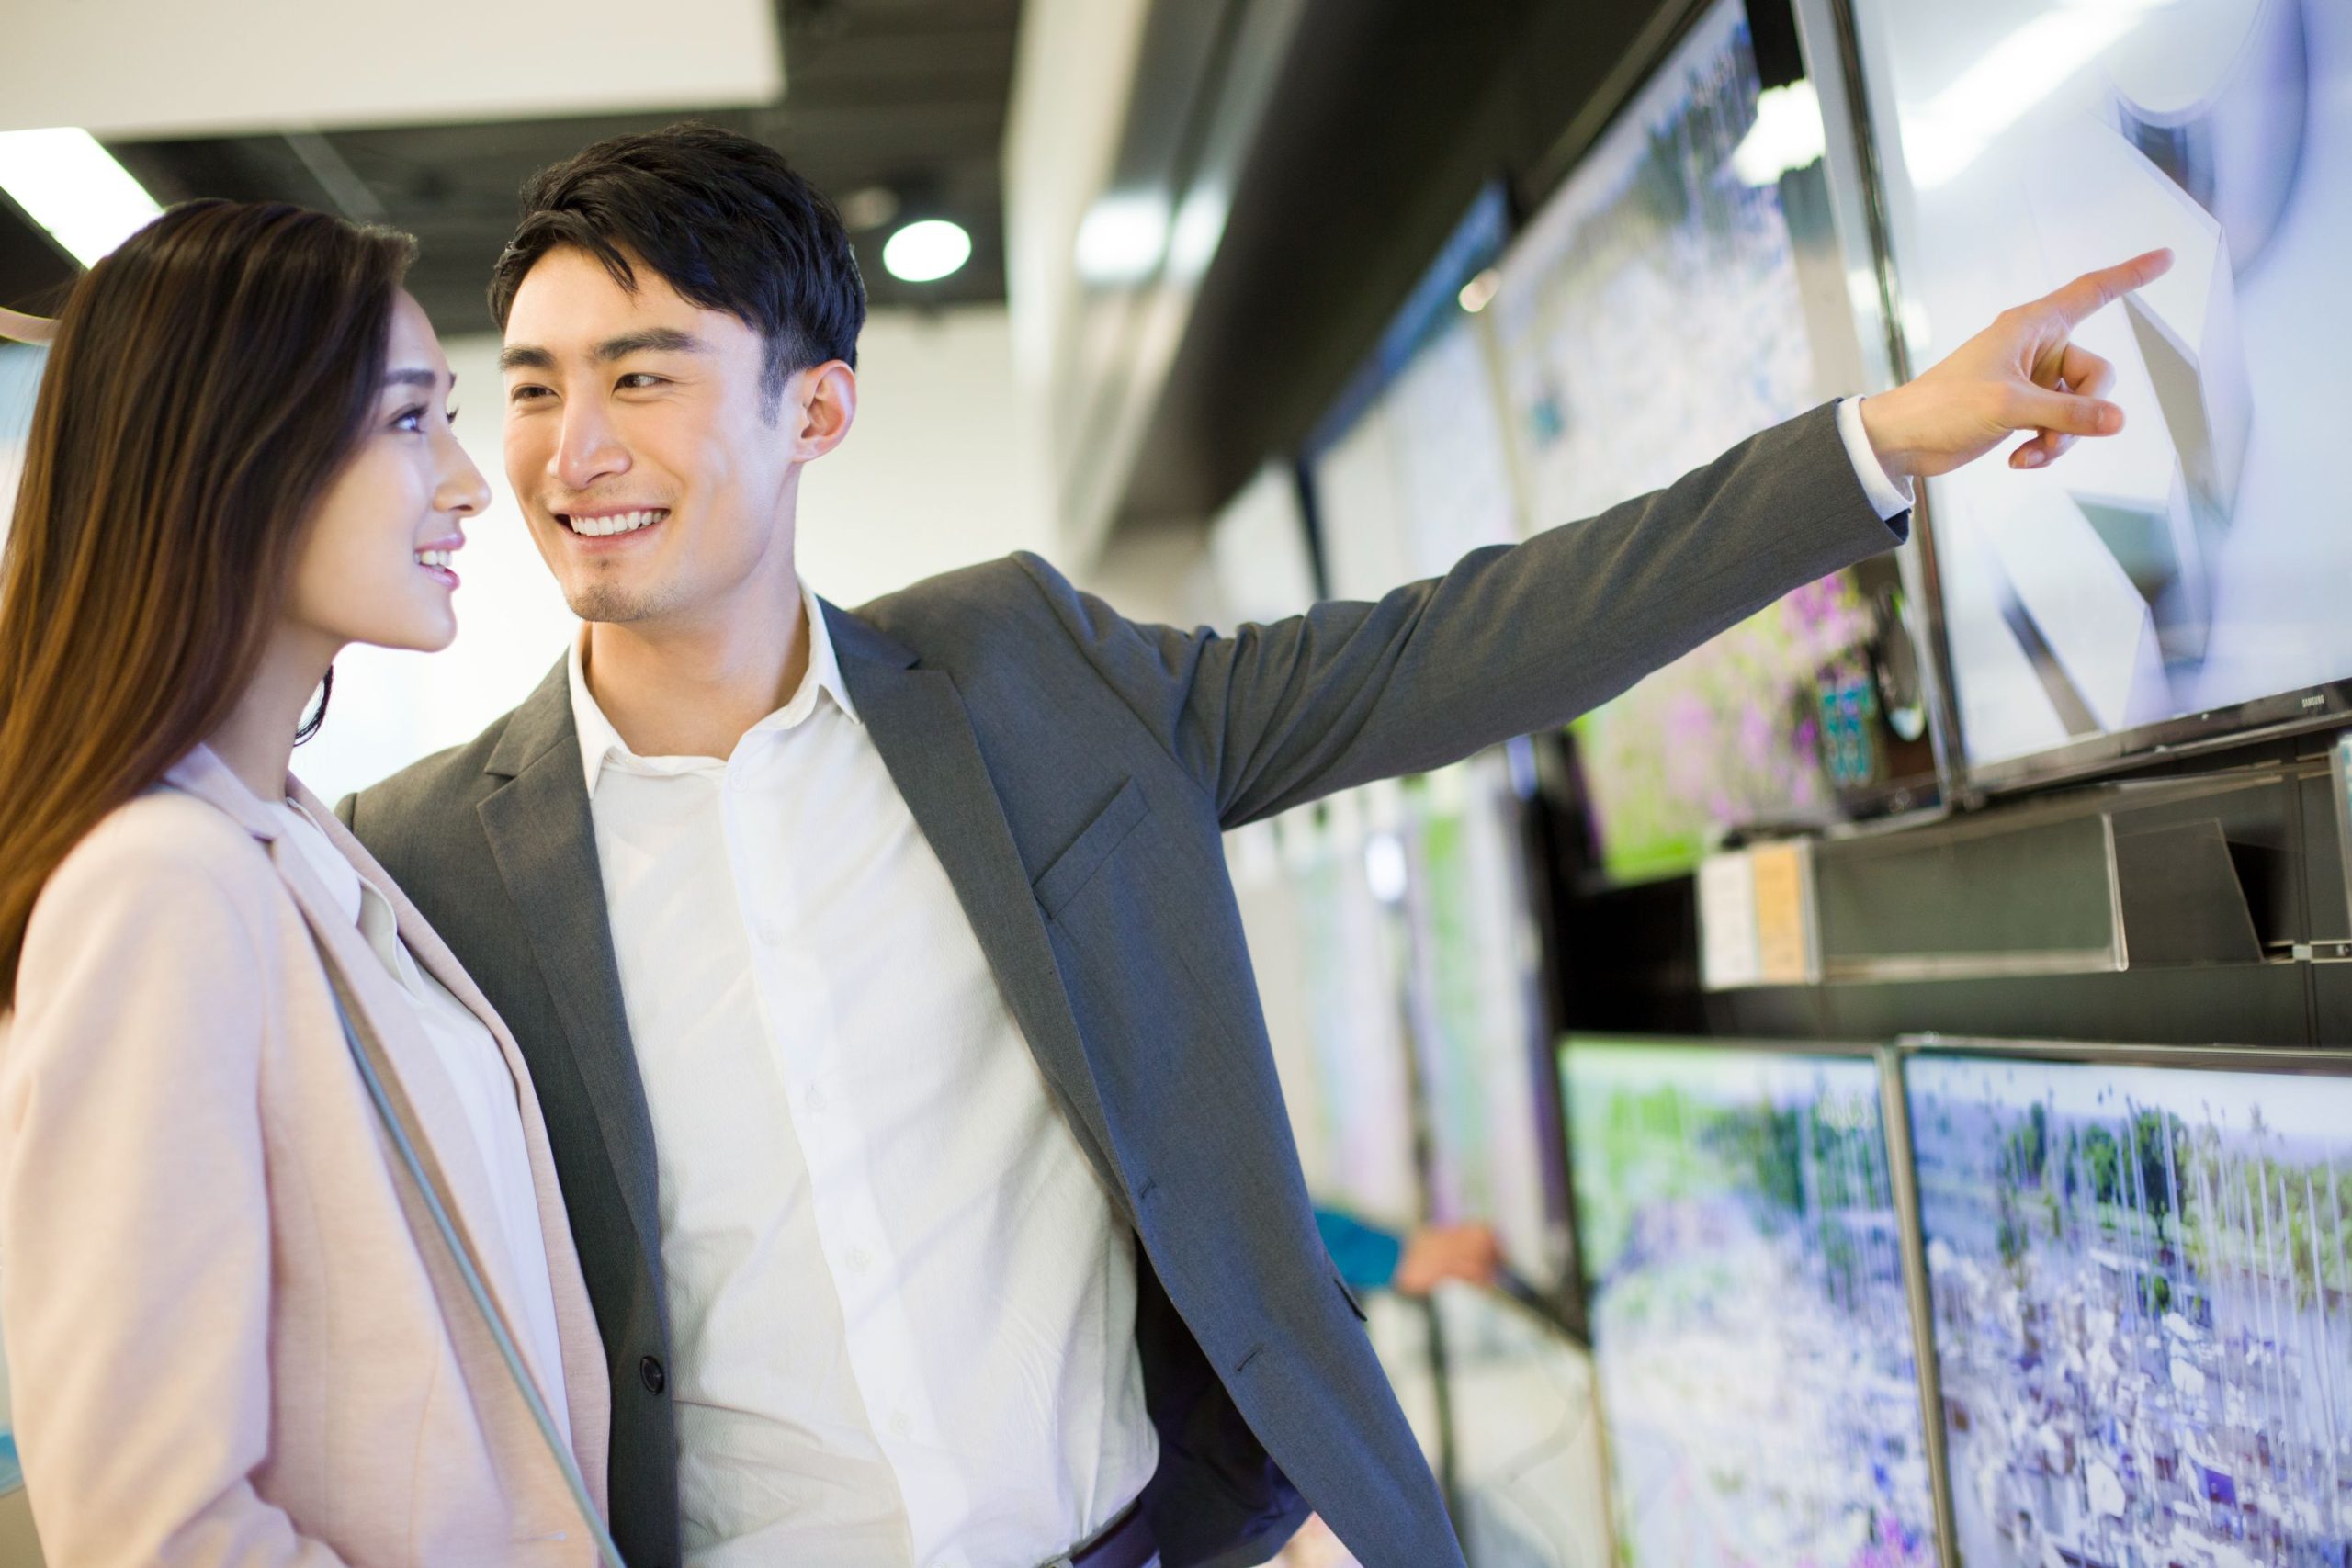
<point>1520,639</point>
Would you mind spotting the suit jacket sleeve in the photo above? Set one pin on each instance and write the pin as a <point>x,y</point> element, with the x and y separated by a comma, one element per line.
<point>134,1219</point>
<point>1512,640</point>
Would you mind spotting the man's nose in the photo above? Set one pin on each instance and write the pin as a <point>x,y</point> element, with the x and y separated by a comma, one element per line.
<point>589,448</point>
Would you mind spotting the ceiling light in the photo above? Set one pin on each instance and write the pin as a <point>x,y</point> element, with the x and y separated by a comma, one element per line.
<point>926,251</point>
<point>1122,239</point>
<point>869,207</point>
<point>1787,135</point>
<point>1479,292</point>
<point>72,187</point>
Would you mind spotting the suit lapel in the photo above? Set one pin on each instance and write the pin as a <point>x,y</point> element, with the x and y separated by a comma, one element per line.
<point>543,843</point>
<point>918,722</point>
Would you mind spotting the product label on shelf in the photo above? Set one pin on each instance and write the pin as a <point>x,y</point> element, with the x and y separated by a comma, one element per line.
<point>1727,955</point>
<point>1756,918</point>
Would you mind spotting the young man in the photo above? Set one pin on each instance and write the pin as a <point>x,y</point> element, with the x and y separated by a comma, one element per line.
<point>878,972</point>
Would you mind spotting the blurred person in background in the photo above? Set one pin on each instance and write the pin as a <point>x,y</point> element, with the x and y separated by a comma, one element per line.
<point>879,971</point>
<point>236,1335</point>
<point>1413,1264</point>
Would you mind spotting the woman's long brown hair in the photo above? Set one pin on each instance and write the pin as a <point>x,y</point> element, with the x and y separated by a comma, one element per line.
<point>208,381</point>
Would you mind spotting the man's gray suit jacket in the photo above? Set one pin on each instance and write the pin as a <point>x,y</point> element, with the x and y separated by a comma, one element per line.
<point>1075,771</point>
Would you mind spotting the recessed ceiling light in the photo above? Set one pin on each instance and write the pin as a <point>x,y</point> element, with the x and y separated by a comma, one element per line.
<point>927,251</point>
<point>869,207</point>
<point>72,187</point>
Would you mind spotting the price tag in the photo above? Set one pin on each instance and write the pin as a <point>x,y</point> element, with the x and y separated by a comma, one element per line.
<point>1785,949</point>
<point>1727,955</point>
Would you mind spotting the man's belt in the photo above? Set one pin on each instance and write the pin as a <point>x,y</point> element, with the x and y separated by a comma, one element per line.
<point>1125,1542</point>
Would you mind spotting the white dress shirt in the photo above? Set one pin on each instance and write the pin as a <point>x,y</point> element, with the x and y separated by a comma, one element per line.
<point>901,1308</point>
<point>477,1069</point>
<point>1887,497</point>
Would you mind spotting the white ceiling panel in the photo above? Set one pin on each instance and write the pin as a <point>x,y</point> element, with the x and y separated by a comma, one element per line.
<point>140,68</point>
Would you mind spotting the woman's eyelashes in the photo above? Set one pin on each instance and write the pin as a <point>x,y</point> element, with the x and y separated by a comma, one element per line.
<point>411,420</point>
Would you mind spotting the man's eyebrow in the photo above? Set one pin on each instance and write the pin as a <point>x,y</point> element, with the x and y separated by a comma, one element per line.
<point>524,357</point>
<point>653,340</point>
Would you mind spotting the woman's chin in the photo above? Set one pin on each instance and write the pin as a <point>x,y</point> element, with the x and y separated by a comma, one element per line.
<point>428,635</point>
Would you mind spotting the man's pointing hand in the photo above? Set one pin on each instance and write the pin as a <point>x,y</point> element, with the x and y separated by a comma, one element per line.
<point>2020,373</point>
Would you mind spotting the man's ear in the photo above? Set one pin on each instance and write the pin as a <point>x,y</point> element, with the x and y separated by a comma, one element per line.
<point>824,411</point>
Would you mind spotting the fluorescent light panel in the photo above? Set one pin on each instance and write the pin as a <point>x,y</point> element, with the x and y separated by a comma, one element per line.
<point>72,187</point>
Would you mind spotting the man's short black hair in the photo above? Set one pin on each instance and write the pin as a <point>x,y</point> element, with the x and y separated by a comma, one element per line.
<point>722,218</point>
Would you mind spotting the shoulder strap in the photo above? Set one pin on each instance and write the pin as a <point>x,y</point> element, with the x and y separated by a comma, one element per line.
<point>392,1106</point>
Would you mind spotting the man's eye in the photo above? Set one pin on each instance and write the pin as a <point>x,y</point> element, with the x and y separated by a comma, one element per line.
<point>527,394</point>
<point>637,380</point>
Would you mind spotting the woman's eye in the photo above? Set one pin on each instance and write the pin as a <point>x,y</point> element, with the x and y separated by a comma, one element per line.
<point>451,417</point>
<point>409,421</point>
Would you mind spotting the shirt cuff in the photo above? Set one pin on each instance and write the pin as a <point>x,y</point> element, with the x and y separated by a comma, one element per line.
<point>1890,499</point>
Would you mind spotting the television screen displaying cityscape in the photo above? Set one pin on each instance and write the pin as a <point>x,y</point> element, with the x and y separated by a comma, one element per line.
<point>2138,1278</point>
<point>1672,298</point>
<point>1753,1335</point>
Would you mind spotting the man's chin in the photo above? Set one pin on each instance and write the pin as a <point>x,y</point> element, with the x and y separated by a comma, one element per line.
<point>607,602</point>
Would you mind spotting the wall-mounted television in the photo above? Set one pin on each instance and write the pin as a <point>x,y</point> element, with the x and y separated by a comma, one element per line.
<point>1480,1027</point>
<point>1408,468</point>
<point>2140,1267</point>
<point>1258,548</point>
<point>1351,959</point>
<point>1683,288</point>
<point>1748,1296</point>
<point>2180,583</point>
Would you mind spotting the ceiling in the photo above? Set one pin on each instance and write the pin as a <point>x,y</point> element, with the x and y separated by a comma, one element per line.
<point>903,97</point>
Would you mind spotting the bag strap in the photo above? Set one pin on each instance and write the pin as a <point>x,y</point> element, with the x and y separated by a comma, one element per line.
<point>392,1107</point>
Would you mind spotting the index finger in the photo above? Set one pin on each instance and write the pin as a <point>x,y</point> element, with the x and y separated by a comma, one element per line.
<point>2089,292</point>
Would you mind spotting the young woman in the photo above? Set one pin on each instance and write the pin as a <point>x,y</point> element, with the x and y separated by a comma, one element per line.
<point>237,1331</point>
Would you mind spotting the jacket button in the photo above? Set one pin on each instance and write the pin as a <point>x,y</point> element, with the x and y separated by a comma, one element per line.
<point>650,1370</point>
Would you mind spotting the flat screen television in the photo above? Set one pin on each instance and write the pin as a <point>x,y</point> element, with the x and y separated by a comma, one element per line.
<point>1409,469</point>
<point>1352,960</point>
<point>2181,583</point>
<point>1481,1031</point>
<point>1259,550</point>
<point>1745,1288</point>
<point>1683,288</point>
<point>2140,1269</point>
<point>1530,1490</point>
